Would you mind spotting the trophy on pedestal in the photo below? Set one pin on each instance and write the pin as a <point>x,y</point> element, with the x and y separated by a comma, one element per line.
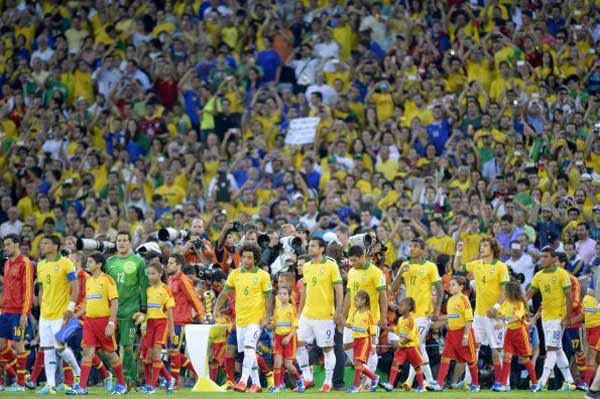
<point>208,298</point>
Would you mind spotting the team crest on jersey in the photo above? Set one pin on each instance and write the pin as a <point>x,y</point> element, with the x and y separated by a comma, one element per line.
<point>55,268</point>
<point>255,280</point>
<point>554,279</point>
<point>364,277</point>
<point>421,272</point>
<point>322,270</point>
<point>129,267</point>
<point>492,271</point>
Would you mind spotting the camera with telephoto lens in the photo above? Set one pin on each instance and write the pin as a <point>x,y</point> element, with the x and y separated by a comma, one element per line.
<point>520,277</point>
<point>86,244</point>
<point>198,244</point>
<point>210,274</point>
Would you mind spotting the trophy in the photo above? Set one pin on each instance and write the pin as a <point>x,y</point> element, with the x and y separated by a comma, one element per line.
<point>208,298</point>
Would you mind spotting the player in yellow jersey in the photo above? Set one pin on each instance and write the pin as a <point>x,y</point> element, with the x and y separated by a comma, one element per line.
<point>364,276</point>
<point>58,292</point>
<point>591,314</point>
<point>321,302</point>
<point>160,327</point>
<point>490,275</point>
<point>420,277</point>
<point>253,295</point>
<point>554,285</point>
<point>407,341</point>
<point>100,309</point>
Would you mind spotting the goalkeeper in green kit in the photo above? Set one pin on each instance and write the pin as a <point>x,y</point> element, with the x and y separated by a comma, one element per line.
<point>129,272</point>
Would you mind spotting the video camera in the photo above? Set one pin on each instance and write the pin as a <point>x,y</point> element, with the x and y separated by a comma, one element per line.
<point>210,274</point>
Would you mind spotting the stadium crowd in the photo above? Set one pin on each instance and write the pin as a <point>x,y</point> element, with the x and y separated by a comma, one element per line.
<point>444,218</point>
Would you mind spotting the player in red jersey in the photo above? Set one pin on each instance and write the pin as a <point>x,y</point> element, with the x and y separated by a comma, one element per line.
<point>17,303</point>
<point>186,303</point>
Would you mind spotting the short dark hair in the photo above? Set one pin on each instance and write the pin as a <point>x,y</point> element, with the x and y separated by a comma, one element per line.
<point>13,237</point>
<point>419,241</point>
<point>179,259</point>
<point>252,248</point>
<point>460,280</point>
<point>98,258</point>
<point>124,233</point>
<point>356,250</point>
<point>54,239</point>
<point>320,241</point>
<point>507,218</point>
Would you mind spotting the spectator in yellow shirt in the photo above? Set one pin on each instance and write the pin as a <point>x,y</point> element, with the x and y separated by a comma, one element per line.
<point>171,192</point>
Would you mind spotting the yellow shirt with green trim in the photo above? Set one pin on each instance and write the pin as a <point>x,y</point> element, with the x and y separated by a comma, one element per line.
<point>55,276</point>
<point>553,286</point>
<point>251,288</point>
<point>369,279</point>
<point>419,280</point>
<point>489,279</point>
<point>591,311</point>
<point>319,279</point>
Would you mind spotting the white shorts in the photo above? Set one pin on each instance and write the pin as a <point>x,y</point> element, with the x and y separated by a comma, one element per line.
<point>247,336</point>
<point>48,329</point>
<point>423,324</point>
<point>321,330</point>
<point>486,334</point>
<point>348,339</point>
<point>553,332</point>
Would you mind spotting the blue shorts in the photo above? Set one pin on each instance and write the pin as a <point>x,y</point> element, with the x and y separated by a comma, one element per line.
<point>232,338</point>
<point>74,341</point>
<point>10,327</point>
<point>572,341</point>
<point>179,341</point>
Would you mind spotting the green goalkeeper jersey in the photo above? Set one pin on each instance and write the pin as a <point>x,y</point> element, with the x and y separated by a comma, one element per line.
<point>129,273</point>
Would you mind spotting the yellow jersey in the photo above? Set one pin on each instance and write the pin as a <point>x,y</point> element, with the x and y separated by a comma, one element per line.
<point>251,287</point>
<point>591,311</point>
<point>319,279</point>
<point>99,291</point>
<point>552,286</point>
<point>489,279</point>
<point>407,329</point>
<point>362,324</point>
<point>285,319</point>
<point>371,280</point>
<point>173,194</point>
<point>443,244</point>
<point>419,280</point>
<point>513,309</point>
<point>55,275</point>
<point>459,312</point>
<point>160,300</point>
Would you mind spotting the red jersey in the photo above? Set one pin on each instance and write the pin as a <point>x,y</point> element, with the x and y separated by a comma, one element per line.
<point>186,299</point>
<point>82,277</point>
<point>18,286</point>
<point>576,306</point>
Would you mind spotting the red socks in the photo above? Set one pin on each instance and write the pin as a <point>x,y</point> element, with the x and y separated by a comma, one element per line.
<point>157,366</point>
<point>230,368</point>
<point>419,374</point>
<point>85,373</point>
<point>21,368</point>
<point>361,369</point>
<point>443,371</point>
<point>97,363</point>
<point>38,365</point>
<point>68,372</point>
<point>175,360</point>
<point>474,373</point>
<point>498,370</point>
<point>531,370</point>
<point>118,369</point>
<point>393,373</point>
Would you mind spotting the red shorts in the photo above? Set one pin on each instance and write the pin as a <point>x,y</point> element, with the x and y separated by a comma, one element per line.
<point>288,351</point>
<point>94,337</point>
<point>516,341</point>
<point>454,349</point>
<point>361,347</point>
<point>156,333</point>
<point>593,337</point>
<point>218,351</point>
<point>413,354</point>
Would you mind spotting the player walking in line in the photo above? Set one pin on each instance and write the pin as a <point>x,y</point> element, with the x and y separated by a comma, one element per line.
<point>128,270</point>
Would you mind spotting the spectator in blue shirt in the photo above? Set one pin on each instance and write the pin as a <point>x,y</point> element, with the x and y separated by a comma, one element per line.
<point>270,62</point>
<point>311,175</point>
<point>439,130</point>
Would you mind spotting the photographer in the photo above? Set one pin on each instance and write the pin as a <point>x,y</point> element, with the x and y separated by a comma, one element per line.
<point>226,253</point>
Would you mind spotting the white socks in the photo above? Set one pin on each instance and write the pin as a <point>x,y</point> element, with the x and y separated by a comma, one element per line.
<point>302,357</point>
<point>248,364</point>
<point>329,366</point>
<point>254,374</point>
<point>563,364</point>
<point>349,355</point>
<point>68,356</point>
<point>50,367</point>
<point>548,366</point>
